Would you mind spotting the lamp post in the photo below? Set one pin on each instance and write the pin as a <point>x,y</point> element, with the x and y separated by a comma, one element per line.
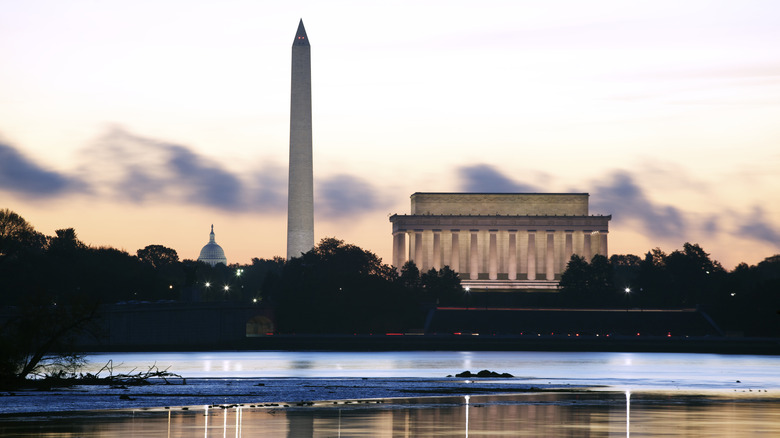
<point>628,294</point>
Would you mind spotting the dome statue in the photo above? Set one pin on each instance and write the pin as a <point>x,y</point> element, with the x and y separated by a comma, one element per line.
<point>212,253</point>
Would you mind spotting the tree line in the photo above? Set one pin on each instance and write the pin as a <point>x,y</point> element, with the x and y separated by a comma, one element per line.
<point>745,300</point>
<point>53,287</point>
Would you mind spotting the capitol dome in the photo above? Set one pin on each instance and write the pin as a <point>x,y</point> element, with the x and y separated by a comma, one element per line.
<point>212,253</point>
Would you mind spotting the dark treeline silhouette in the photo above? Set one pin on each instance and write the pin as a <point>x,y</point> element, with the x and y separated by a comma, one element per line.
<point>341,288</point>
<point>53,287</point>
<point>745,300</point>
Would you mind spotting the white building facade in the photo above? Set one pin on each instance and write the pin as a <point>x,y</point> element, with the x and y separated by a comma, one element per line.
<point>499,241</point>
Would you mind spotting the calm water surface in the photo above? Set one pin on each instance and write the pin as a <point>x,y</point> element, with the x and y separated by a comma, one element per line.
<point>619,371</point>
<point>639,394</point>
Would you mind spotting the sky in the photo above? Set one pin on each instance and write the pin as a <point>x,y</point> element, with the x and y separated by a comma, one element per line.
<point>144,122</point>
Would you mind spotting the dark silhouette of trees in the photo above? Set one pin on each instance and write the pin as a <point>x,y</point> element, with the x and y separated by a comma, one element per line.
<point>433,288</point>
<point>410,276</point>
<point>17,236</point>
<point>338,288</point>
<point>744,301</point>
<point>158,255</point>
<point>749,300</point>
<point>684,278</point>
<point>575,282</point>
<point>39,335</point>
<point>442,287</point>
<point>48,299</point>
<point>53,287</point>
<point>588,284</point>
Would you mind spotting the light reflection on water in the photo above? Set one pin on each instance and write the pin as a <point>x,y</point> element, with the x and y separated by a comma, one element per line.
<point>646,394</point>
<point>559,414</point>
<point>621,371</point>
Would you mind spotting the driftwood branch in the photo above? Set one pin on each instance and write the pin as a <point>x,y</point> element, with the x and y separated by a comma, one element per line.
<point>130,378</point>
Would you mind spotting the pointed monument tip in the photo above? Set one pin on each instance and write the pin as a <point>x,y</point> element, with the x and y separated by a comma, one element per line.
<point>300,36</point>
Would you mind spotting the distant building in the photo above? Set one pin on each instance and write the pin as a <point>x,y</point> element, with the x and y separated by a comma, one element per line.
<point>212,253</point>
<point>499,241</point>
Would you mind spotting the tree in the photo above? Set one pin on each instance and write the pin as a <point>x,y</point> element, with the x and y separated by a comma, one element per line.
<point>65,241</point>
<point>694,276</point>
<point>442,287</point>
<point>655,282</point>
<point>47,299</point>
<point>16,235</point>
<point>339,288</point>
<point>39,336</point>
<point>602,287</point>
<point>410,275</point>
<point>158,255</point>
<point>574,280</point>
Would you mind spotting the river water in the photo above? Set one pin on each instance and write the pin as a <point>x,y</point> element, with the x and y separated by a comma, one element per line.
<point>409,394</point>
<point>618,371</point>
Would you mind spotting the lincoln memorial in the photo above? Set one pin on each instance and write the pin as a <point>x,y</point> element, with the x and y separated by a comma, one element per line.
<point>499,241</point>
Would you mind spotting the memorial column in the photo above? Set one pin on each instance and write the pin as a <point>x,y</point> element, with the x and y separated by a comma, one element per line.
<point>474,256</point>
<point>549,255</point>
<point>493,255</point>
<point>455,253</point>
<point>603,243</point>
<point>399,249</point>
<point>532,254</point>
<point>568,247</point>
<point>418,249</point>
<point>512,259</point>
<point>586,245</point>
<point>436,249</point>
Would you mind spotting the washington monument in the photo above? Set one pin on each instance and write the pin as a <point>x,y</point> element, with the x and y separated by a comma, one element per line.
<point>300,195</point>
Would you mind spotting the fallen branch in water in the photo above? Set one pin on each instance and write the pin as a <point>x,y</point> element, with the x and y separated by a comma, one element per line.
<point>62,378</point>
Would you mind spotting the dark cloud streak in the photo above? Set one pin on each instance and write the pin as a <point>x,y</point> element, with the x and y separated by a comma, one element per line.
<point>483,178</point>
<point>343,196</point>
<point>623,196</point>
<point>756,227</point>
<point>21,175</point>
<point>122,165</point>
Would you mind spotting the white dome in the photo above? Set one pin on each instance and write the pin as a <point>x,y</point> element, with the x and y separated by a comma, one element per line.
<point>212,253</point>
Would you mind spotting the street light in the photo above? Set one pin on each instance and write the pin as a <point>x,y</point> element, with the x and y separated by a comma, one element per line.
<point>628,294</point>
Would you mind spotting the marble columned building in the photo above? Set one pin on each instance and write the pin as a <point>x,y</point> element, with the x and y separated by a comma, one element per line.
<point>499,240</point>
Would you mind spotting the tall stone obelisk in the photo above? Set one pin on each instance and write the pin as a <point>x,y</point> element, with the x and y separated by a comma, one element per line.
<point>300,195</point>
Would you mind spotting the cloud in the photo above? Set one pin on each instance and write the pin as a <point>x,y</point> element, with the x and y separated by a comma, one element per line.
<point>21,175</point>
<point>756,227</point>
<point>343,195</point>
<point>125,166</point>
<point>620,196</point>
<point>623,197</point>
<point>142,170</point>
<point>483,178</point>
<point>269,188</point>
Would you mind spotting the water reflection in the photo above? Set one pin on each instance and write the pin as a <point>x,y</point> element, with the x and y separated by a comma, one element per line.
<point>467,415</point>
<point>628,414</point>
<point>542,414</point>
